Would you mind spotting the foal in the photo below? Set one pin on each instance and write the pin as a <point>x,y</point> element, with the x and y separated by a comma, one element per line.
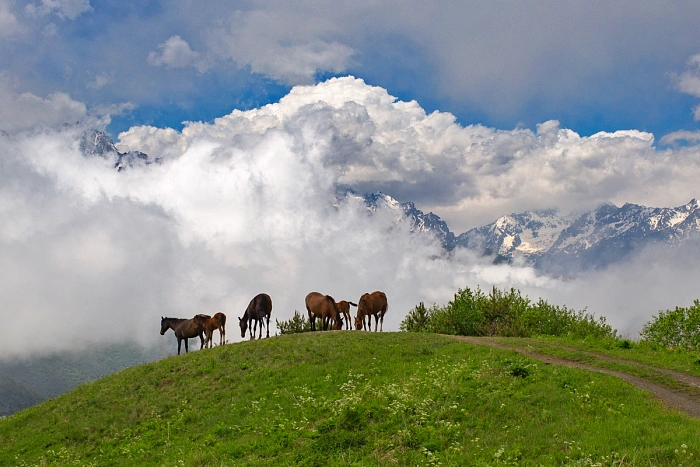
<point>216,322</point>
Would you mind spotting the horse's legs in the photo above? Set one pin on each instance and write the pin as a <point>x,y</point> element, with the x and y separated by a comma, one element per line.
<point>381,324</point>
<point>179,343</point>
<point>222,335</point>
<point>268,325</point>
<point>187,350</point>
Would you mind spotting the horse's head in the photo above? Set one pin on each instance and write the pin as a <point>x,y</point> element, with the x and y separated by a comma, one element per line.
<point>338,323</point>
<point>163,325</point>
<point>244,325</point>
<point>358,323</point>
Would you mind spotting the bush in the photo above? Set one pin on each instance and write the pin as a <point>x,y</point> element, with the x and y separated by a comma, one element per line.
<point>679,327</point>
<point>416,320</point>
<point>503,313</point>
<point>297,324</point>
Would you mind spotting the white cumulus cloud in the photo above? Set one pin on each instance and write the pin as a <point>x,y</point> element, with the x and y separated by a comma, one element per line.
<point>176,53</point>
<point>273,44</point>
<point>249,203</point>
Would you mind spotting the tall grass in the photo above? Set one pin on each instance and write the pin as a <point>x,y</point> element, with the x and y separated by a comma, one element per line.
<point>504,313</point>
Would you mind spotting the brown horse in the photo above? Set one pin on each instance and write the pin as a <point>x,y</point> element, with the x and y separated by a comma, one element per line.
<point>344,309</point>
<point>216,322</point>
<point>324,306</point>
<point>184,329</point>
<point>258,309</point>
<point>371,304</point>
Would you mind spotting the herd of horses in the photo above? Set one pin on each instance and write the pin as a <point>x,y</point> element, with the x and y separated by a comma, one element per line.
<point>331,313</point>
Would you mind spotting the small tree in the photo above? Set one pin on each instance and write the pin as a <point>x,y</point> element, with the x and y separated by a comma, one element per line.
<point>297,324</point>
<point>417,320</point>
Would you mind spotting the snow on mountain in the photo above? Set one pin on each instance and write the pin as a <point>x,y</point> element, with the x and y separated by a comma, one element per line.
<point>97,143</point>
<point>429,223</point>
<point>558,244</point>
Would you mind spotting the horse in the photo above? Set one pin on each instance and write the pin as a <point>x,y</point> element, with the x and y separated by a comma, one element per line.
<point>371,304</point>
<point>184,329</point>
<point>258,309</point>
<point>324,306</point>
<point>216,322</point>
<point>344,309</point>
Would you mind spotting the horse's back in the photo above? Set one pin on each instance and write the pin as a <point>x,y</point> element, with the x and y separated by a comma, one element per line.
<point>343,306</point>
<point>372,303</point>
<point>192,327</point>
<point>221,318</point>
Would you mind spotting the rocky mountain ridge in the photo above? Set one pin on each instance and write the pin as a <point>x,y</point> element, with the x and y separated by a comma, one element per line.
<point>560,244</point>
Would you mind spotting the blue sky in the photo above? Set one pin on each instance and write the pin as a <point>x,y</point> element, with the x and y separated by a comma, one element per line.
<point>594,66</point>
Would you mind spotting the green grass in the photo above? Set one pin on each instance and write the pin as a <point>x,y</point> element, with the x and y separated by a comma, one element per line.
<point>687,361</point>
<point>351,398</point>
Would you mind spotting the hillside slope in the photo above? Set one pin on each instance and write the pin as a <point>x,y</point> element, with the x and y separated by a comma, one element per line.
<point>15,396</point>
<point>351,398</point>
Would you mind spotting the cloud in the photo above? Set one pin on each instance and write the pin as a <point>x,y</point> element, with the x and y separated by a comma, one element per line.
<point>272,43</point>
<point>8,21</point>
<point>249,203</point>
<point>468,175</point>
<point>176,53</point>
<point>24,111</point>
<point>681,135</point>
<point>64,9</point>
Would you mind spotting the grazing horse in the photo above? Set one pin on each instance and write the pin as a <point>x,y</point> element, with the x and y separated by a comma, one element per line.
<point>184,329</point>
<point>371,304</point>
<point>216,322</point>
<point>258,309</point>
<point>324,306</point>
<point>344,309</point>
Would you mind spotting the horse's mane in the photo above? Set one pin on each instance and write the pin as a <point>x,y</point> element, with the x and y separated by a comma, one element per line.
<point>176,319</point>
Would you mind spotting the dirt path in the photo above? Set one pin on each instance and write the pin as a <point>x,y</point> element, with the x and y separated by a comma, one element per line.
<point>687,403</point>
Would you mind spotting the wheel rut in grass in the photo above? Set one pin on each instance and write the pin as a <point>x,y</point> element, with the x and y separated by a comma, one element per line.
<point>673,398</point>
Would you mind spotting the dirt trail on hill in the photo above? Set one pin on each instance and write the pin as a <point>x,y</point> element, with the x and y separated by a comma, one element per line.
<point>674,398</point>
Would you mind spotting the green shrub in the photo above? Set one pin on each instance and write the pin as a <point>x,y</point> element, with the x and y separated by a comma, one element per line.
<point>679,327</point>
<point>416,320</point>
<point>503,313</point>
<point>295,325</point>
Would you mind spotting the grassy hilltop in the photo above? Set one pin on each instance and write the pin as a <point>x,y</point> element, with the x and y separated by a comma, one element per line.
<point>351,398</point>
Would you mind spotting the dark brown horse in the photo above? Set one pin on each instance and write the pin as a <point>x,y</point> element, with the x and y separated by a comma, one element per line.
<point>184,330</point>
<point>258,309</point>
<point>216,322</point>
<point>344,309</point>
<point>324,306</point>
<point>374,303</point>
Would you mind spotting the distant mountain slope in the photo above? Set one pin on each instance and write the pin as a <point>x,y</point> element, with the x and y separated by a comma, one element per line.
<point>15,396</point>
<point>559,244</point>
<point>45,377</point>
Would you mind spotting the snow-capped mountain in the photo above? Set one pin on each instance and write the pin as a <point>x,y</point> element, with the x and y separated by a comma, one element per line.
<point>560,244</point>
<point>97,143</point>
<point>419,221</point>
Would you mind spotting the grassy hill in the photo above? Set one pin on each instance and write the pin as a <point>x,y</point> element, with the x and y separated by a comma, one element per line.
<point>351,398</point>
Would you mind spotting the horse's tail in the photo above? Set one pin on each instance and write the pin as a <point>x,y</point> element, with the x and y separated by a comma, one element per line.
<point>223,320</point>
<point>353,304</point>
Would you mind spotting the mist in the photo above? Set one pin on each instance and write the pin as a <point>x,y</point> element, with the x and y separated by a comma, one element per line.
<point>250,203</point>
